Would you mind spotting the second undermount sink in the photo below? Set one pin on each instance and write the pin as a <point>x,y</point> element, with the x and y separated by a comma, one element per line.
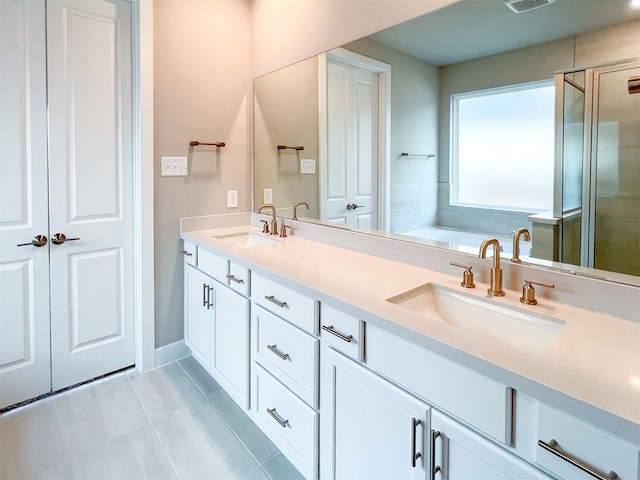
<point>246,239</point>
<point>527,330</point>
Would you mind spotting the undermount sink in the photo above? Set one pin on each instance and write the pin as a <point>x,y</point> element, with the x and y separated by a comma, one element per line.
<point>246,239</point>
<point>526,330</point>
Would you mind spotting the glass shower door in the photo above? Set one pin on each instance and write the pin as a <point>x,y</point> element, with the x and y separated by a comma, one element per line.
<point>614,218</point>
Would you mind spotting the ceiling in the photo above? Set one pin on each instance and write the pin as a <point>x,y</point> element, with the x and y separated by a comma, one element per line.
<point>477,28</point>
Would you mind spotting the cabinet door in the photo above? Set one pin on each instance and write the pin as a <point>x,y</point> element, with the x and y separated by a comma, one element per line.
<point>199,314</point>
<point>460,454</point>
<point>370,428</point>
<point>230,357</point>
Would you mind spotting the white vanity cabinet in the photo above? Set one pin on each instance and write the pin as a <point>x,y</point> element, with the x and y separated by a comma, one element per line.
<point>370,429</point>
<point>217,323</point>
<point>355,396</point>
<point>461,454</point>
<point>285,370</point>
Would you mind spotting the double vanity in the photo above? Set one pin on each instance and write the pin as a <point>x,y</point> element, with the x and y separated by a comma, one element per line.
<point>359,366</point>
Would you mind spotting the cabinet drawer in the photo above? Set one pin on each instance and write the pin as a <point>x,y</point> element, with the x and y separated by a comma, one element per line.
<point>239,279</point>
<point>190,252</point>
<point>214,265</point>
<point>582,442</point>
<point>473,398</point>
<point>288,353</point>
<point>342,331</point>
<point>287,421</point>
<point>287,303</point>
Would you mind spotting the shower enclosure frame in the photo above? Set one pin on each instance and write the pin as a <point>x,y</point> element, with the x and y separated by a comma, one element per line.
<point>587,208</point>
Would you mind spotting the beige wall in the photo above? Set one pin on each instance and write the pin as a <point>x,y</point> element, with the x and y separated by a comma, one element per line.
<point>286,113</point>
<point>287,31</point>
<point>201,80</point>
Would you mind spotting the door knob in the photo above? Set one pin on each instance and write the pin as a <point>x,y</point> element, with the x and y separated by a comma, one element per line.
<point>38,241</point>
<point>60,238</point>
<point>353,206</point>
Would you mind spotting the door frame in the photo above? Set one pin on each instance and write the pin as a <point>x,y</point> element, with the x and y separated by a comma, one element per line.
<point>384,124</point>
<point>143,185</point>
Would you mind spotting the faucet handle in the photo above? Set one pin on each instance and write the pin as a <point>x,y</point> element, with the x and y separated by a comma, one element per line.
<point>529,293</point>
<point>265,227</point>
<point>467,275</point>
<point>283,230</point>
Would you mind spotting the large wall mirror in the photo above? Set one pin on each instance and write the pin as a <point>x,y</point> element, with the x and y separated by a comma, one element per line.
<point>469,122</point>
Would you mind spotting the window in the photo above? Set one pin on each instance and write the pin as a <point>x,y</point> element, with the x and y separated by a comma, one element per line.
<point>502,148</point>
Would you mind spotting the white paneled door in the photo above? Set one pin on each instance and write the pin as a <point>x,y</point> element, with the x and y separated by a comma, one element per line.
<point>24,270</point>
<point>350,182</point>
<point>67,307</point>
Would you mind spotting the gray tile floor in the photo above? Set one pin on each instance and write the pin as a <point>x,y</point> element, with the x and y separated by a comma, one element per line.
<point>174,422</point>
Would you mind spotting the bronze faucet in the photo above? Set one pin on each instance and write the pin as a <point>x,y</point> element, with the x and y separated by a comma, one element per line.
<point>495,288</point>
<point>295,209</point>
<point>274,222</point>
<point>516,243</point>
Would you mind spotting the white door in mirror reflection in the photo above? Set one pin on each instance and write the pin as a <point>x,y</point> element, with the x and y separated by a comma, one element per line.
<point>351,176</point>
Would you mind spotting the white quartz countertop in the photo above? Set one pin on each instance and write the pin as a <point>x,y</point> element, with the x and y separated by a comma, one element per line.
<point>593,361</point>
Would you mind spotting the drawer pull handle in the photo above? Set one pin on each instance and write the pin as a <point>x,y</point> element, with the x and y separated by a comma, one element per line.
<point>346,338</point>
<point>272,299</point>
<point>554,448</point>
<point>272,412</point>
<point>186,253</point>
<point>275,350</point>
<point>414,455</point>
<point>234,279</point>
<point>434,468</point>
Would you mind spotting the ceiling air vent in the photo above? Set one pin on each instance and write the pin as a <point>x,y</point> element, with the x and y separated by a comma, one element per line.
<point>521,6</point>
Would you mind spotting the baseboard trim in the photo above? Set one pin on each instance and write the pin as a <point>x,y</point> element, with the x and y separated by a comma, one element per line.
<point>170,353</point>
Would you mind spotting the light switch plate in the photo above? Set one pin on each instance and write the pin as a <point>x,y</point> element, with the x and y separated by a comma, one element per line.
<point>307,166</point>
<point>267,196</point>
<point>232,199</point>
<point>174,166</point>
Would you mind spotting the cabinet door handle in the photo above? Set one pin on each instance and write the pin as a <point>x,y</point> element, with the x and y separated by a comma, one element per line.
<point>275,350</point>
<point>205,291</point>
<point>209,302</point>
<point>234,279</point>
<point>283,423</point>
<point>272,299</point>
<point>414,455</point>
<point>434,468</point>
<point>554,448</point>
<point>186,253</point>
<point>330,329</point>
